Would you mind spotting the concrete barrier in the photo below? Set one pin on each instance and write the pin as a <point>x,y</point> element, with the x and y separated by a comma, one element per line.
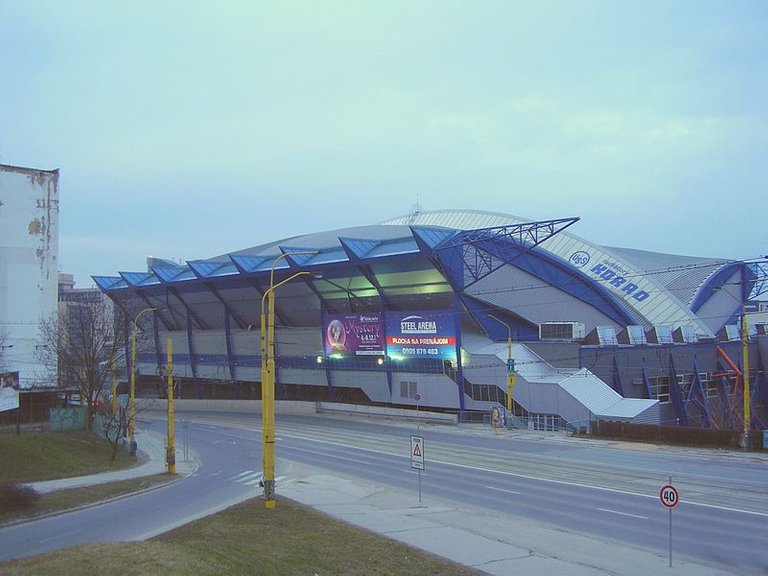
<point>247,406</point>
<point>295,407</point>
<point>383,412</point>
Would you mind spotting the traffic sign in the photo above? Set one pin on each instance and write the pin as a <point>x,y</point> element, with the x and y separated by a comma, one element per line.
<point>669,496</point>
<point>417,397</point>
<point>417,452</point>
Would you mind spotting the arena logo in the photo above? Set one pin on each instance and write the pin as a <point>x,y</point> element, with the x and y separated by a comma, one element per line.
<point>604,272</point>
<point>579,259</point>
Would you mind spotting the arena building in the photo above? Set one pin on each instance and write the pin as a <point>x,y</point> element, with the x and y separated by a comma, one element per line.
<point>447,309</point>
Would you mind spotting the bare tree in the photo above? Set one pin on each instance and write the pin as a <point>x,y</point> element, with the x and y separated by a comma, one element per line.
<point>3,346</point>
<point>86,340</point>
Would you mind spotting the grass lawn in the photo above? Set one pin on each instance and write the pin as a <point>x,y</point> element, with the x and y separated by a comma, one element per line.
<point>246,539</point>
<point>36,456</point>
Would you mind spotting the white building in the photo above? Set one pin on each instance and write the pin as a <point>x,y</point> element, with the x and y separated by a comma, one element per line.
<point>29,255</point>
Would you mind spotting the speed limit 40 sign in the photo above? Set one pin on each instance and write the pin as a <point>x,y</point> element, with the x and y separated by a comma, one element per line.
<point>669,496</point>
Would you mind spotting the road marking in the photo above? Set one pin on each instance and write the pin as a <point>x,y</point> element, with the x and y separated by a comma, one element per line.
<point>528,477</point>
<point>623,513</point>
<point>502,490</point>
<point>246,473</point>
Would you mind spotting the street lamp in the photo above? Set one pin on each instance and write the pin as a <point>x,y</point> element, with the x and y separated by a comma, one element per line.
<point>267,336</point>
<point>511,374</point>
<point>745,443</point>
<point>132,398</point>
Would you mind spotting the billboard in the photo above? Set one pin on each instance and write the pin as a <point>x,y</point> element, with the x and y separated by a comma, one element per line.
<point>9,391</point>
<point>425,334</point>
<point>353,334</point>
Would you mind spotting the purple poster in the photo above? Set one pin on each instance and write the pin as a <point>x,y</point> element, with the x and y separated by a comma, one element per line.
<point>354,334</point>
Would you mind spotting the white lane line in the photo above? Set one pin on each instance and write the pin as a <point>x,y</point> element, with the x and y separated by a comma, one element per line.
<point>502,490</point>
<point>623,513</point>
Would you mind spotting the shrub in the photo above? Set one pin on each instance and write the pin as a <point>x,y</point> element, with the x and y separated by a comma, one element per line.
<point>17,497</point>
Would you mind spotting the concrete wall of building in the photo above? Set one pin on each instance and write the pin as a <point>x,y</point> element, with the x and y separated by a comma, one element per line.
<point>29,259</point>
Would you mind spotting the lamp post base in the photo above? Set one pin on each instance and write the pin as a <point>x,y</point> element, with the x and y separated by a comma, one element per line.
<point>746,444</point>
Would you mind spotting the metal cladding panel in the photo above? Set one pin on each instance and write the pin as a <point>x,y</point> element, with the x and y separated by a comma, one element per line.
<point>458,219</point>
<point>590,391</point>
<point>534,300</point>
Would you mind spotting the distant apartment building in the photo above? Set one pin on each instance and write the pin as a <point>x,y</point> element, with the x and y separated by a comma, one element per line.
<point>29,258</point>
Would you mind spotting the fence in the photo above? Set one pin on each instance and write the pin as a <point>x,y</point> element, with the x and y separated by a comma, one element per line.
<point>682,435</point>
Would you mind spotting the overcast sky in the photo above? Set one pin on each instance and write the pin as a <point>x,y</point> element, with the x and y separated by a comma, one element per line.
<point>190,129</point>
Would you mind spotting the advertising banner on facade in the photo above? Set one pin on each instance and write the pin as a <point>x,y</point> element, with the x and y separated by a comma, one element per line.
<point>421,334</point>
<point>354,334</point>
<point>9,391</point>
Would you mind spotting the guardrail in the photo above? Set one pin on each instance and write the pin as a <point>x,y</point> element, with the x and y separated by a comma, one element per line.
<point>383,412</point>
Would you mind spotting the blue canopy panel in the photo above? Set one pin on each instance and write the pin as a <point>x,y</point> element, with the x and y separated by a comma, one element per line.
<point>139,279</point>
<point>398,247</point>
<point>297,257</point>
<point>333,256</point>
<point>107,283</point>
<point>212,269</point>
<point>429,238</point>
<point>168,274</point>
<point>358,248</point>
<point>249,264</point>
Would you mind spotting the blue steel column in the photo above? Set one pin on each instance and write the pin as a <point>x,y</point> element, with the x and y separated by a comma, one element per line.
<point>326,363</point>
<point>616,377</point>
<point>192,353</point>
<point>387,363</point>
<point>674,395</point>
<point>457,331</point>
<point>704,399</point>
<point>230,353</point>
<point>159,360</point>
<point>647,383</point>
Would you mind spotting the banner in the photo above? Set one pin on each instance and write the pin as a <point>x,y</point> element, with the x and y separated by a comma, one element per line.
<point>421,335</point>
<point>353,334</point>
<point>9,391</point>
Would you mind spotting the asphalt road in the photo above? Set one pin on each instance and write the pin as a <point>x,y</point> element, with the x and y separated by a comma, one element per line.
<point>585,486</point>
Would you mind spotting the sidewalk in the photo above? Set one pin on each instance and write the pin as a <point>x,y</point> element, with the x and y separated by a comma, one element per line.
<point>151,457</point>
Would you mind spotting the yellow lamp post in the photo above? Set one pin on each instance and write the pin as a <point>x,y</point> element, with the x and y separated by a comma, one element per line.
<point>132,399</point>
<point>267,336</point>
<point>170,448</point>
<point>745,376</point>
<point>511,375</point>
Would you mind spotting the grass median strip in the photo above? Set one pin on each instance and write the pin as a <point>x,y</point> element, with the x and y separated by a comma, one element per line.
<point>247,539</point>
<point>66,499</point>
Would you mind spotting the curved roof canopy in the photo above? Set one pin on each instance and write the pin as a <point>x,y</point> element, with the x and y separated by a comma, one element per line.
<point>476,252</point>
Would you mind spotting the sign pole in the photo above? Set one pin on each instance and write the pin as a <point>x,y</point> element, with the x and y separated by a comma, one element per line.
<point>670,498</point>
<point>417,457</point>
<point>670,528</point>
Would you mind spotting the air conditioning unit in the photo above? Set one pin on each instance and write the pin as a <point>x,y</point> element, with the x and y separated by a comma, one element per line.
<point>565,331</point>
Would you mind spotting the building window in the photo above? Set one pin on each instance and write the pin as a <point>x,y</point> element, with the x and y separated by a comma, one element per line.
<point>407,389</point>
<point>660,388</point>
